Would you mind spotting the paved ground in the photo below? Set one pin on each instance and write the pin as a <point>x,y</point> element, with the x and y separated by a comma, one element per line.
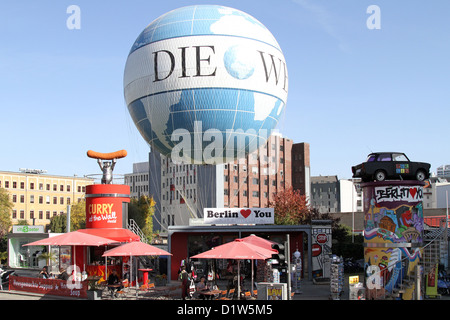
<point>309,291</point>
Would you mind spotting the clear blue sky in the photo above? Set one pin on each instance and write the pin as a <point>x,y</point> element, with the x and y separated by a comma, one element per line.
<point>352,90</point>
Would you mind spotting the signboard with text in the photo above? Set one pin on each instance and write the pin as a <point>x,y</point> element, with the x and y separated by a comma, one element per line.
<point>238,215</point>
<point>55,287</point>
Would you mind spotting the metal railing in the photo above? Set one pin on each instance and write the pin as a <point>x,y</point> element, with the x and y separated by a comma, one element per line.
<point>133,226</point>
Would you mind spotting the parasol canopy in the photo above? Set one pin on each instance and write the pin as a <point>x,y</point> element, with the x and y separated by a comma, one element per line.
<point>237,249</point>
<point>135,248</point>
<point>74,238</point>
<point>258,241</point>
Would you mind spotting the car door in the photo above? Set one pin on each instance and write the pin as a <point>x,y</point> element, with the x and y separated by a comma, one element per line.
<point>401,164</point>
<point>384,162</point>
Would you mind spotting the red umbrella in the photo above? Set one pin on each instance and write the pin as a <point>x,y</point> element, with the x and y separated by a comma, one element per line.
<point>73,238</point>
<point>239,250</point>
<point>136,248</point>
<point>258,241</point>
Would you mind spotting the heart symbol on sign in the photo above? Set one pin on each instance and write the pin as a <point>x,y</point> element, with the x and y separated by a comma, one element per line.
<point>413,192</point>
<point>246,213</point>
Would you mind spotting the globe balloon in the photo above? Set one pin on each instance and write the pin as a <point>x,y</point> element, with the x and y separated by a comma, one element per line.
<point>205,84</point>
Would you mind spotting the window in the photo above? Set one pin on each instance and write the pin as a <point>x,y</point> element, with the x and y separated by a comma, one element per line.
<point>384,157</point>
<point>255,194</point>
<point>399,157</point>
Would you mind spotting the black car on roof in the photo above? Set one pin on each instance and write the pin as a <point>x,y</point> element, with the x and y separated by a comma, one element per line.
<point>381,166</point>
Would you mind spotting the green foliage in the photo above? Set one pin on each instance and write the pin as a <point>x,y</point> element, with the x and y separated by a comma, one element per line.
<point>58,223</point>
<point>141,210</point>
<point>343,244</point>
<point>5,212</point>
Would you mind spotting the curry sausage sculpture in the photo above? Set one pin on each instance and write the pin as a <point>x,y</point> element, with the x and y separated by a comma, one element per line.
<point>107,167</point>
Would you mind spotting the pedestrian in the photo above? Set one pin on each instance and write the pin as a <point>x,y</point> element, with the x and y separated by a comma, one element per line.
<point>184,277</point>
<point>63,274</point>
<point>44,273</point>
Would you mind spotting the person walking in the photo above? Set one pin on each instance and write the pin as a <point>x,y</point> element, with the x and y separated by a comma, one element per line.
<point>184,277</point>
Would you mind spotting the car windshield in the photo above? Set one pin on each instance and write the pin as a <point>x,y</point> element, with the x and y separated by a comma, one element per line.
<point>370,158</point>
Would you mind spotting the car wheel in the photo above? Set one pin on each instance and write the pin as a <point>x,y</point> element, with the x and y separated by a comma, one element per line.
<point>420,175</point>
<point>380,175</point>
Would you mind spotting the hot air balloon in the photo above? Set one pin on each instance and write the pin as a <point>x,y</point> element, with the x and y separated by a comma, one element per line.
<point>205,84</point>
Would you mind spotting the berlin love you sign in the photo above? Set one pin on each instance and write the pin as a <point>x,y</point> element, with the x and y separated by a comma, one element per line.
<point>238,216</point>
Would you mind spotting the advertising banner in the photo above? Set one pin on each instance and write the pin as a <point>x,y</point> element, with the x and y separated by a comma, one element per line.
<point>77,289</point>
<point>238,215</point>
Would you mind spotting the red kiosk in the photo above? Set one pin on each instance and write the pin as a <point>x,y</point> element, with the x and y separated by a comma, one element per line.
<point>106,217</point>
<point>106,213</point>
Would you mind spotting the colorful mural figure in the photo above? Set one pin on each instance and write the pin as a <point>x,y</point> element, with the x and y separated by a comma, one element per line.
<point>393,231</point>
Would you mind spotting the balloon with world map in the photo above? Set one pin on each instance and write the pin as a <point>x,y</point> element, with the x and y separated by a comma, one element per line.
<point>206,84</point>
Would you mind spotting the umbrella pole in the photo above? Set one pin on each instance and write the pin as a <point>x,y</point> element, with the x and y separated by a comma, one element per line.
<point>251,289</point>
<point>137,284</point>
<point>239,280</point>
<point>106,267</point>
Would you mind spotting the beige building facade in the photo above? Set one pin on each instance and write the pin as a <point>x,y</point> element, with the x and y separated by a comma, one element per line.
<point>37,197</point>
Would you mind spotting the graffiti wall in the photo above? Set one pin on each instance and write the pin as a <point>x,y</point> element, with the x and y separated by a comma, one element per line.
<point>393,231</point>
<point>321,248</point>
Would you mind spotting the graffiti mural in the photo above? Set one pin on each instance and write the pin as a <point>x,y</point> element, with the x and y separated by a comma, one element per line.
<point>393,231</point>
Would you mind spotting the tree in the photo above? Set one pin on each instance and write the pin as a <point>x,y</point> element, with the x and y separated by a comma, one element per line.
<point>78,215</point>
<point>5,212</point>
<point>141,210</point>
<point>290,207</point>
<point>58,223</point>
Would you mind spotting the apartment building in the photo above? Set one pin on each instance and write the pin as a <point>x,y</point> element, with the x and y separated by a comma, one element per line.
<point>138,180</point>
<point>253,182</point>
<point>182,191</point>
<point>37,197</point>
<point>331,195</point>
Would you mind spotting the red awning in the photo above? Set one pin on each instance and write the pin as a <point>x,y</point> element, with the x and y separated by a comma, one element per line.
<point>117,234</point>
